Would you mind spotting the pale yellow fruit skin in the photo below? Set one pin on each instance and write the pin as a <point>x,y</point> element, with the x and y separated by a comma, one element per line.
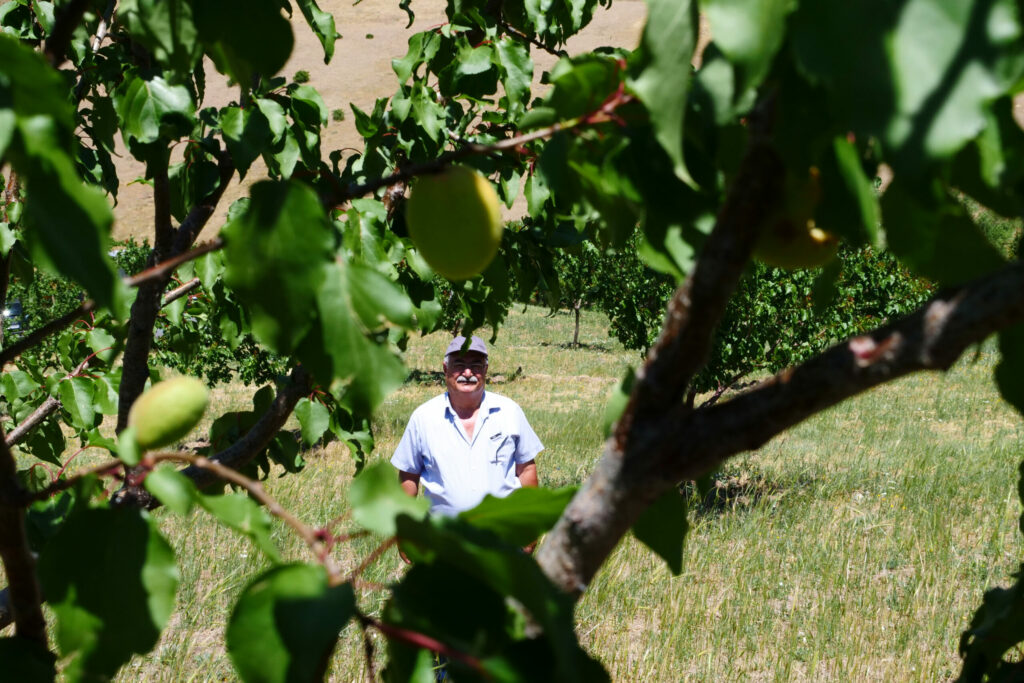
<point>167,412</point>
<point>454,219</point>
<point>785,244</point>
<point>791,240</point>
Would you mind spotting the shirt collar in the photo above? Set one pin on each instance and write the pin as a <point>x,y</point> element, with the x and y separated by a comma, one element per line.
<point>486,405</point>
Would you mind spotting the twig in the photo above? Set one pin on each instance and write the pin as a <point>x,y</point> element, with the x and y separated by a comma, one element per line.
<point>256,490</point>
<point>420,640</point>
<point>468,149</point>
<point>532,41</point>
<point>108,467</point>
<point>371,558</point>
<point>180,291</point>
<point>164,269</point>
<point>158,271</point>
<point>25,343</point>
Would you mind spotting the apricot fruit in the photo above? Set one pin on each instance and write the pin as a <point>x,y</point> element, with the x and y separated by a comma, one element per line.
<point>167,412</point>
<point>454,219</point>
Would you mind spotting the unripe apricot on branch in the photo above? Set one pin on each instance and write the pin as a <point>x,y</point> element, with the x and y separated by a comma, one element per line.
<point>167,412</point>
<point>454,219</point>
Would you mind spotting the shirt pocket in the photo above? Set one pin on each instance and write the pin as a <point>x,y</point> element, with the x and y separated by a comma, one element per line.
<point>504,449</point>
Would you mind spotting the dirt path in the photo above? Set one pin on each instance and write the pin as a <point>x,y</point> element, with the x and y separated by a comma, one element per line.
<point>373,33</point>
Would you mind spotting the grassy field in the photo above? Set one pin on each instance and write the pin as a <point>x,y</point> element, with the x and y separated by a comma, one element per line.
<point>854,547</point>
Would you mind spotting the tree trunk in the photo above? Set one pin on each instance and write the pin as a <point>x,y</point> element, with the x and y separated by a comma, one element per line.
<point>576,332</point>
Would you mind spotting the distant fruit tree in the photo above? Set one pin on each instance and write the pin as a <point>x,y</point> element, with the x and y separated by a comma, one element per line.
<point>773,143</point>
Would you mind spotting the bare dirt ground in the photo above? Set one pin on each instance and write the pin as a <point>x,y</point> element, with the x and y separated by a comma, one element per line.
<point>373,33</point>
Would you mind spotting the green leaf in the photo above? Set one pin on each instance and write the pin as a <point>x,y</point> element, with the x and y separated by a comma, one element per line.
<point>918,74</point>
<point>276,119</point>
<point>749,33</point>
<point>34,88</point>
<point>339,349</point>
<point>111,600</point>
<point>245,37</point>
<point>128,448</point>
<point>68,221</point>
<point>276,254</point>
<point>375,299</point>
<point>172,488</point>
<point>377,499</point>
<point>662,527</point>
<point>47,442</point>
<point>17,384</point>
<point>508,571</point>
<point>8,237</point>
<point>102,343</point>
<point>27,661</point>
<point>314,419</point>
<point>849,204</point>
<point>247,135</point>
<point>322,24</point>
<point>166,29</point>
<point>513,60</point>
<point>239,512</point>
<point>76,395</point>
<point>1010,371</point>
<point>666,48</point>
<point>152,110</point>
<point>618,400</point>
<point>286,623</point>
<point>937,239</point>
<point>522,516</point>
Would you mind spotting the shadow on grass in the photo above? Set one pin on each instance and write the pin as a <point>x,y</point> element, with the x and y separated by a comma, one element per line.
<point>738,491</point>
<point>582,346</point>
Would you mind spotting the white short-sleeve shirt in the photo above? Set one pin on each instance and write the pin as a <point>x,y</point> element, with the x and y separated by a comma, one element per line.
<point>456,471</point>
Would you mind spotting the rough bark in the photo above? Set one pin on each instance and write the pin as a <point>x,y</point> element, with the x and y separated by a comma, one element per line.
<point>25,598</point>
<point>685,443</point>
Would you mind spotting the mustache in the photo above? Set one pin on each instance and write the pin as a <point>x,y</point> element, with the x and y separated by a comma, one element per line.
<point>466,380</point>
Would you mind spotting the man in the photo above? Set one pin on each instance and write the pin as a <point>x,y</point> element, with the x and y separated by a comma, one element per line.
<point>467,442</point>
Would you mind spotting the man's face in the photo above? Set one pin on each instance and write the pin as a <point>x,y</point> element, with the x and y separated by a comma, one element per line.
<point>464,373</point>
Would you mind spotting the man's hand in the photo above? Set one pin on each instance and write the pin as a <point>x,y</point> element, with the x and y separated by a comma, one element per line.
<point>410,484</point>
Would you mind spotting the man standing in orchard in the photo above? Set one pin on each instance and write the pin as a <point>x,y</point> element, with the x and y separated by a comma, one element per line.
<point>467,442</point>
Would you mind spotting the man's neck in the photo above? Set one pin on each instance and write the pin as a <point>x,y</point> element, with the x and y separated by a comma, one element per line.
<point>465,405</point>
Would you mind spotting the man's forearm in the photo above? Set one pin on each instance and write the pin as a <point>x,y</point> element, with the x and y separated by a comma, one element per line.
<point>527,474</point>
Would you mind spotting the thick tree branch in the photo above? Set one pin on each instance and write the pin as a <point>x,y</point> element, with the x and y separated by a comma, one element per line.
<point>45,409</point>
<point>686,444</point>
<point>256,439</point>
<point>25,598</point>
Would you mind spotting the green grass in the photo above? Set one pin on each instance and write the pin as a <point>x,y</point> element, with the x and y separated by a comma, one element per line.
<point>854,547</point>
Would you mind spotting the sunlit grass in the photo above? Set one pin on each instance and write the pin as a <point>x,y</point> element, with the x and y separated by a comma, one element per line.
<point>854,547</point>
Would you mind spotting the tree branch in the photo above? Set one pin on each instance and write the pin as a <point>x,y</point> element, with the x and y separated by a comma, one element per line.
<point>19,564</point>
<point>585,535</point>
<point>441,162</point>
<point>686,444</point>
<point>180,291</point>
<point>256,439</point>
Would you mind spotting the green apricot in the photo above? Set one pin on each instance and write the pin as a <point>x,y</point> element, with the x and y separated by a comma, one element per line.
<point>167,412</point>
<point>454,219</point>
